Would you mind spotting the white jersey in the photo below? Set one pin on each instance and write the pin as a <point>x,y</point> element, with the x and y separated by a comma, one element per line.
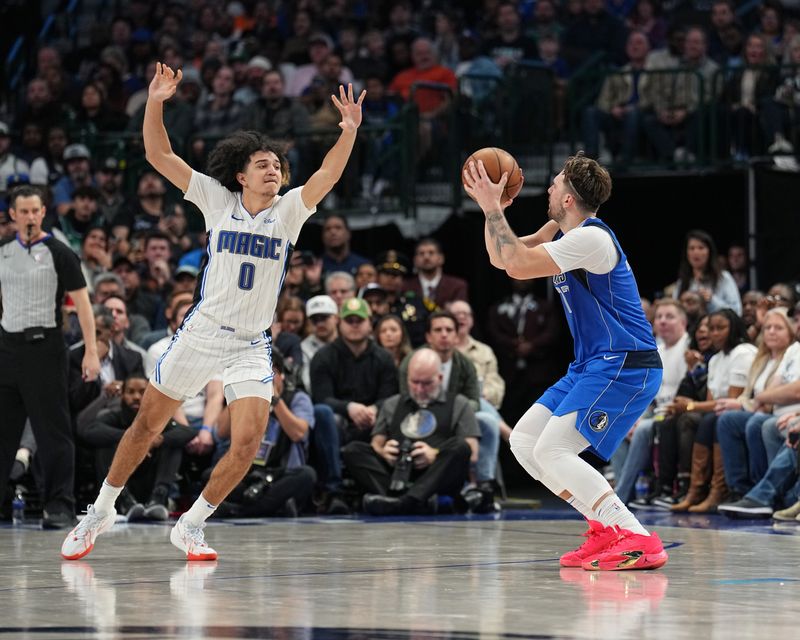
<point>247,256</point>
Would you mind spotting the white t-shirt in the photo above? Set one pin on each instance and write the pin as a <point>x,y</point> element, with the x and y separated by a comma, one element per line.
<point>727,370</point>
<point>788,371</point>
<point>247,256</point>
<point>583,247</point>
<point>674,369</point>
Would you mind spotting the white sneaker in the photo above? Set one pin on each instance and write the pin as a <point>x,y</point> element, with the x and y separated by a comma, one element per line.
<point>781,145</point>
<point>190,539</point>
<point>80,540</point>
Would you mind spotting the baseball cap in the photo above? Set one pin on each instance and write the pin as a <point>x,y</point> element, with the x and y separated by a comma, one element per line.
<point>392,262</point>
<point>319,305</point>
<point>77,152</point>
<point>187,269</point>
<point>260,62</point>
<point>319,36</point>
<point>3,129</point>
<point>355,307</point>
<point>372,287</point>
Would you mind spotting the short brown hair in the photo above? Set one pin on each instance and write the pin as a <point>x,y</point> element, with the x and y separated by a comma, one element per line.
<point>588,179</point>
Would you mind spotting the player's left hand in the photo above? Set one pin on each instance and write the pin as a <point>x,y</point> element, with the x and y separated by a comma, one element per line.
<point>349,107</point>
<point>480,188</point>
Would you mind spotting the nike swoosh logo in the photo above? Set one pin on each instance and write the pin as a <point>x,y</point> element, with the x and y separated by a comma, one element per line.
<point>233,216</point>
<point>610,357</point>
<point>255,342</point>
<point>269,220</point>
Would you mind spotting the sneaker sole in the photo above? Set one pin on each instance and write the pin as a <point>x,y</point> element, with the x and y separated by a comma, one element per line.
<point>647,561</point>
<point>192,557</point>
<point>789,518</point>
<point>570,563</point>
<point>763,512</point>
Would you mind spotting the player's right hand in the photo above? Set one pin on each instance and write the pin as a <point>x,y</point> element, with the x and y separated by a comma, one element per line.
<point>164,83</point>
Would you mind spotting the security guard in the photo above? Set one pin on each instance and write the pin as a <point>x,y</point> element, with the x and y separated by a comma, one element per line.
<point>35,272</point>
<point>392,269</point>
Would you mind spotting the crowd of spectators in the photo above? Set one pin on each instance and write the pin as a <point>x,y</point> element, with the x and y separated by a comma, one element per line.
<point>348,328</point>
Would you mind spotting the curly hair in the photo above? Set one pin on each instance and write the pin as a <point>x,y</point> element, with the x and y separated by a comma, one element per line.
<point>232,155</point>
<point>588,179</point>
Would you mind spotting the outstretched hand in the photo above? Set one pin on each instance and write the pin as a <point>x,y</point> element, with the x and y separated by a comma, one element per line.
<point>349,107</point>
<point>164,83</point>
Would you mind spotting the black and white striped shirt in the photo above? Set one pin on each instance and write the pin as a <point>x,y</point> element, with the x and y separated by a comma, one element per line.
<point>32,283</point>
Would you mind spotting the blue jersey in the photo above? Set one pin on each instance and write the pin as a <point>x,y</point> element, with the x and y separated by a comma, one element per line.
<point>604,311</point>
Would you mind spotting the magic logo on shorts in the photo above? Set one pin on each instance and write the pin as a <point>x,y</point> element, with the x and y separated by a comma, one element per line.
<point>598,420</point>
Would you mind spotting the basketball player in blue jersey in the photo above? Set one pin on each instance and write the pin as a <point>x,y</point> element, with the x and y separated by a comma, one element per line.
<point>251,233</point>
<point>616,372</point>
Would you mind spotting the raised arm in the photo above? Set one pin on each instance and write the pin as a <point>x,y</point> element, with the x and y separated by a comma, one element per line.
<point>332,167</point>
<point>506,250</point>
<point>158,150</point>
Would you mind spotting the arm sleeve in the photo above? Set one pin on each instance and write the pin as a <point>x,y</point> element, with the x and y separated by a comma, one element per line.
<point>67,266</point>
<point>293,213</point>
<point>726,295</point>
<point>210,196</point>
<point>589,248</point>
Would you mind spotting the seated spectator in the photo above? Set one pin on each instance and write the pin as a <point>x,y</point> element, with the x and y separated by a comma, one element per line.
<point>158,257</point>
<point>139,301</point>
<point>743,95</point>
<point>127,329</point>
<point>94,115</point>
<point>146,494</point>
<point>350,379</point>
<point>430,283</point>
<point>645,17</point>
<point>461,377</point>
<point>336,253</point>
<point>390,333</point>
<point>431,103</point>
<point>377,299</point>
<point>95,256</point>
<point>739,267</point>
<point>340,286</point>
<point>78,173</point>
<point>779,114</point>
<point>509,44</point>
<point>392,269</point>
<point>365,274</point>
<point>617,113</point>
<point>323,315</point>
<point>280,482</point>
<point>320,46</point>
<point>10,164</point>
<point>216,116</point>
<point>111,200</point>
<point>674,102</point>
<point>117,363</point>
<point>422,443</point>
<point>48,169</point>
<point>695,307</point>
<point>83,215</point>
<point>723,17</point>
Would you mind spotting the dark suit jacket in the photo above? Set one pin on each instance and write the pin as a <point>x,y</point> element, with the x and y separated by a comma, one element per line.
<point>450,288</point>
<point>126,362</point>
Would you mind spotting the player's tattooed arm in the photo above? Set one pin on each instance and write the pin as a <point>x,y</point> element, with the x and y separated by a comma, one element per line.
<point>505,240</point>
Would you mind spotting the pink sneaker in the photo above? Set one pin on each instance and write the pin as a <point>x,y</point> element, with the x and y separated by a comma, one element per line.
<point>598,539</point>
<point>631,551</point>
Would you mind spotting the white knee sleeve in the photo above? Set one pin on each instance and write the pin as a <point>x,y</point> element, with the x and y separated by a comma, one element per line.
<point>523,441</point>
<point>556,454</point>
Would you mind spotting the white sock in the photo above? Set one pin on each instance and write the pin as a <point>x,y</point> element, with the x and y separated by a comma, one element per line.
<point>201,510</point>
<point>585,511</point>
<point>612,512</point>
<point>106,498</point>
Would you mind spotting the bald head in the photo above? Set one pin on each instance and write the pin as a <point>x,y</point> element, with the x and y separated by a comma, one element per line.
<point>424,376</point>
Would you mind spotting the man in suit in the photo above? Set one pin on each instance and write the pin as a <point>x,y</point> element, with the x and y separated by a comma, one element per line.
<point>117,364</point>
<point>430,283</point>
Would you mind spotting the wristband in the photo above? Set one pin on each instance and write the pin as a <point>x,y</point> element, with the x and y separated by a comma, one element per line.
<point>205,427</point>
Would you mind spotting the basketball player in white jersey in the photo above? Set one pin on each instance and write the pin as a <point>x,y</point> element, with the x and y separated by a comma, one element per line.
<point>251,233</point>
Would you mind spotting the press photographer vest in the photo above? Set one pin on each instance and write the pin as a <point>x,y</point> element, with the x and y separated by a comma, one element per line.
<point>442,411</point>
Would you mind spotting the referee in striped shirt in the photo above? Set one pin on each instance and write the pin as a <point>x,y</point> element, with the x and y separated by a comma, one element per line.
<point>35,272</point>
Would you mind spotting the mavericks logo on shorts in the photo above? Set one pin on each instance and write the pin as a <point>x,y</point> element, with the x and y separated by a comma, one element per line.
<point>598,420</point>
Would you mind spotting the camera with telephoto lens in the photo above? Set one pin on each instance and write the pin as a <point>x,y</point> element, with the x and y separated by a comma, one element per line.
<point>401,476</point>
<point>258,483</point>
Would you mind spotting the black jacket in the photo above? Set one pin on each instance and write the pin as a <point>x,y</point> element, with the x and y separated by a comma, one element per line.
<point>126,362</point>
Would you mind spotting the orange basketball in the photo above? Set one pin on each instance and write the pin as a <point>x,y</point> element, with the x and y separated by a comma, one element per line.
<point>497,162</point>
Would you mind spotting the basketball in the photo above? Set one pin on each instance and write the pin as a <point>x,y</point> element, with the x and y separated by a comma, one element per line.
<point>498,161</point>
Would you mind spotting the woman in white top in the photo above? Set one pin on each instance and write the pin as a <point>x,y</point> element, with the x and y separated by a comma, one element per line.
<point>699,271</point>
<point>728,374</point>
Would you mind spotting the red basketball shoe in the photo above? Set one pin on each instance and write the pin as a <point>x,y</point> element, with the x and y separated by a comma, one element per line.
<point>631,551</point>
<point>598,539</point>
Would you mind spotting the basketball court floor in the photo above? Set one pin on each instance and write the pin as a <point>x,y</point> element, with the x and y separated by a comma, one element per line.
<point>456,578</point>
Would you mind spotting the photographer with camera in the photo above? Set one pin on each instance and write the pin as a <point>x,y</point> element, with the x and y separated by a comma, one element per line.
<point>422,443</point>
<point>279,482</point>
